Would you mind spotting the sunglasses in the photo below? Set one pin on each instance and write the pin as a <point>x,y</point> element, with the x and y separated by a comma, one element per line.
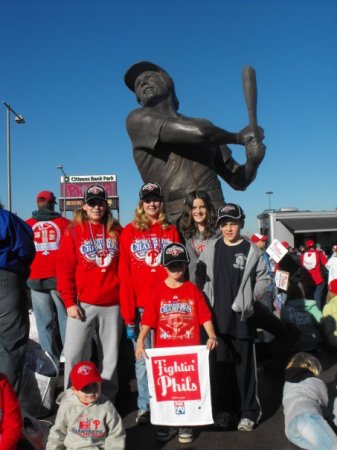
<point>152,199</point>
<point>96,202</point>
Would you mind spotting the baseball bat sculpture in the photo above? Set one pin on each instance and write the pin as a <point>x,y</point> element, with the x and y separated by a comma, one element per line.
<point>250,93</point>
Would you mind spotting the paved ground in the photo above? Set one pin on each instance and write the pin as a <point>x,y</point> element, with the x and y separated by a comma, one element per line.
<point>268,435</point>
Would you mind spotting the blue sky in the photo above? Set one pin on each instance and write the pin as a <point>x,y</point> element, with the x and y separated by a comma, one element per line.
<point>63,64</point>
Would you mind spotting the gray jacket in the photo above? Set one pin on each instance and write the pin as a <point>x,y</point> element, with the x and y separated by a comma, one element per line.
<point>254,284</point>
<point>78,427</point>
<point>309,396</point>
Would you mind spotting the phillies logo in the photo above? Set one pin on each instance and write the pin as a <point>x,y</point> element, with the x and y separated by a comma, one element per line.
<point>174,250</point>
<point>95,190</point>
<point>176,377</point>
<point>84,370</point>
<point>150,187</point>
<point>228,208</point>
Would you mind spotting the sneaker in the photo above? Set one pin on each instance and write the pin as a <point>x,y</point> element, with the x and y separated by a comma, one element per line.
<point>143,416</point>
<point>185,435</point>
<point>246,425</point>
<point>62,359</point>
<point>164,434</point>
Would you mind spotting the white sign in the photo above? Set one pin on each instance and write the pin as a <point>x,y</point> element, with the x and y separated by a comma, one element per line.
<point>87,178</point>
<point>276,250</point>
<point>179,386</point>
<point>282,279</point>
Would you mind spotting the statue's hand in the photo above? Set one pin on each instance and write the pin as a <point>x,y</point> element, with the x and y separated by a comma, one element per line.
<point>248,133</point>
<point>255,151</point>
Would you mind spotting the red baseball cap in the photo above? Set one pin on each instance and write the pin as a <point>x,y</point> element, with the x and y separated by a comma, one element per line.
<point>84,373</point>
<point>285,244</point>
<point>310,243</point>
<point>256,237</point>
<point>45,196</point>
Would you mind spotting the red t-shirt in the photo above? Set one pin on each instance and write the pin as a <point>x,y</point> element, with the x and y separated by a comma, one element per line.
<point>176,315</point>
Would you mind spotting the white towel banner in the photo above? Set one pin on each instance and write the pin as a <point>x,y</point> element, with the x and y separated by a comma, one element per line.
<point>179,386</point>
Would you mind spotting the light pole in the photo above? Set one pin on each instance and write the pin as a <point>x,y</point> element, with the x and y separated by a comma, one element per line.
<point>65,176</point>
<point>18,119</point>
<point>269,193</point>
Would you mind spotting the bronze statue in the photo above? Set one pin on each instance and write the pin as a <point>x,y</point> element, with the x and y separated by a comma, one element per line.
<point>180,153</point>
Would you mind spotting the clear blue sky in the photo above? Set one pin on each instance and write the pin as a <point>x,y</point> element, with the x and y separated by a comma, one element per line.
<point>63,63</point>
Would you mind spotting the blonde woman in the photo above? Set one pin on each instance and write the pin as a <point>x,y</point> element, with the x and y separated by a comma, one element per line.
<point>142,242</point>
<point>88,283</point>
<point>305,400</point>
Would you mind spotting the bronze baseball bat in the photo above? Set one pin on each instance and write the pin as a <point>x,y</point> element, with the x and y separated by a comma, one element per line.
<point>250,93</point>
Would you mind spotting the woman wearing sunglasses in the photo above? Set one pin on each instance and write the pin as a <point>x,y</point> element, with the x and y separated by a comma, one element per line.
<point>142,242</point>
<point>88,283</point>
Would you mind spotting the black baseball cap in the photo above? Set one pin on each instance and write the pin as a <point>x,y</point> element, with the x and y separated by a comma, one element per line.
<point>150,189</point>
<point>175,253</point>
<point>94,191</point>
<point>230,211</point>
<point>134,71</point>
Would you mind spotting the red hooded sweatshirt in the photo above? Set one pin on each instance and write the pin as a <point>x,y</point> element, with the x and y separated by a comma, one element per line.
<point>47,237</point>
<point>139,265</point>
<point>81,272</point>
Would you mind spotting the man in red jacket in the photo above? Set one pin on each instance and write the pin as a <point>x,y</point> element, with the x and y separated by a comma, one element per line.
<point>314,260</point>
<point>48,227</point>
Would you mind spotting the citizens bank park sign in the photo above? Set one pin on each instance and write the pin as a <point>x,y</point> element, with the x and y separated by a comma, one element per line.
<point>72,190</point>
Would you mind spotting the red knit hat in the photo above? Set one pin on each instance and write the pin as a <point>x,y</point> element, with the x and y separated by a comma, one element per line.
<point>84,373</point>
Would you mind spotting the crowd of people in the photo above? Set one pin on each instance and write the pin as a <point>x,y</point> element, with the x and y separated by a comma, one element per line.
<point>89,277</point>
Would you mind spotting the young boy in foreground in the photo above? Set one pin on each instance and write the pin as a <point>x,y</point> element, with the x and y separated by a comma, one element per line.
<point>176,311</point>
<point>86,418</point>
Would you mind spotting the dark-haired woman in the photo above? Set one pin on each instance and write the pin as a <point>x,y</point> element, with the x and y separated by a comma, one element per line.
<point>197,226</point>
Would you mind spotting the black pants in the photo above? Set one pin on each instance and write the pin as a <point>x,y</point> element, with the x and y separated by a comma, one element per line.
<point>14,326</point>
<point>234,379</point>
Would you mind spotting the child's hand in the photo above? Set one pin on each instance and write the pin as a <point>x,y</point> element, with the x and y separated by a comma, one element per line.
<point>212,343</point>
<point>140,351</point>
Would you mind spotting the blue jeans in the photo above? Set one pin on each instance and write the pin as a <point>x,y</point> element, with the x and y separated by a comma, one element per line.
<point>43,306</point>
<point>318,295</point>
<point>143,400</point>
<point>312,432</point>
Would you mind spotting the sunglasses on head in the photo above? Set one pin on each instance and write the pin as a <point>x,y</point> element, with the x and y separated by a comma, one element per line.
<point>96,202</point>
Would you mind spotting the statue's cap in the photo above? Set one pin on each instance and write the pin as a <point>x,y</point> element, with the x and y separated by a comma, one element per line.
<point>134,71</point>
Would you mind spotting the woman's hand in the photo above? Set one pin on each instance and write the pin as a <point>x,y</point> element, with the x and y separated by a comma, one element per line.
<point>75,312</point>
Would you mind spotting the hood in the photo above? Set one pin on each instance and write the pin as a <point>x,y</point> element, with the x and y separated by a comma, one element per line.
<point>45,214</point>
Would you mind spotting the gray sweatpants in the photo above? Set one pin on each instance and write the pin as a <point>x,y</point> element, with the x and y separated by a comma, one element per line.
<point>106,322</point>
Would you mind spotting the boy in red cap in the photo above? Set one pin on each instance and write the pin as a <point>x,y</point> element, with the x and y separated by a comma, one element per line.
<point>86,418</point>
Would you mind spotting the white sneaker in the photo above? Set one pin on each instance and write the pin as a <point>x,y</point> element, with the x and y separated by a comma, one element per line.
<point>62,359</point>
<point>246,425</point>
<point>185,435</point>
